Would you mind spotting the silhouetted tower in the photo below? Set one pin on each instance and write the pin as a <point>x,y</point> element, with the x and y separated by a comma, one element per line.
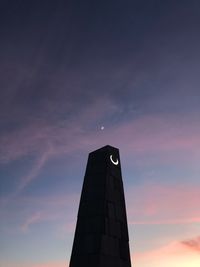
<point>101,236</point>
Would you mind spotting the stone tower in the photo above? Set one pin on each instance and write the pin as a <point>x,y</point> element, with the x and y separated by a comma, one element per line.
<point>101,236</point>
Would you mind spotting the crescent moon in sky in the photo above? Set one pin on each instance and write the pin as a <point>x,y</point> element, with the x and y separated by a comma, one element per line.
<point>114,162</point>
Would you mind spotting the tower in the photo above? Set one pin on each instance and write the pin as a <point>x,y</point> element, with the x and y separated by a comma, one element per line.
<point>101,236</point>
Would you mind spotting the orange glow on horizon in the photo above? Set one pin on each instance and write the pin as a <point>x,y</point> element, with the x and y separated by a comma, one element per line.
<point>172,255</point>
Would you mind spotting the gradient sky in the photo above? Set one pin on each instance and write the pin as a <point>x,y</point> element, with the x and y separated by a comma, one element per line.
<point>78,75</point>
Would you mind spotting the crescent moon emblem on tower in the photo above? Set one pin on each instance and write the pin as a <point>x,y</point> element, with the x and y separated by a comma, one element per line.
<point>114,162</point>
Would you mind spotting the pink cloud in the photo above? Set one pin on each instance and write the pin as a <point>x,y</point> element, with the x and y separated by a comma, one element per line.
<point>193,244</point>
<point>159,204</point>
<point>45,264</point>
<point>152,134</point>
<point>168,137</point>
<point>57,264</point>
<point>142,135</point>
<point>146,204</point>
<point>167,221</point>
<point>172,254</point>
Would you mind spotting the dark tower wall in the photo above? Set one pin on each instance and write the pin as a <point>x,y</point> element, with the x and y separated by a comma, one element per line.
<point>101,236</point>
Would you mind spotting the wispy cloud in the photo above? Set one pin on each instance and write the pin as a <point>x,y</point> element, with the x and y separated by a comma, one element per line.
<point>191,220</point>
<point>32,220</point>
<point>34,171</point>
<point>60,210</point>
<point>62,136</point>
<point>159,135</point>
<point>45,141</point>
<point>157,204</point>
<point>51,264</point>
<point>62,263</point>
<point>146,205</point>
<point>140,135</point>
<point>193,244</point>
<point>27,179</point>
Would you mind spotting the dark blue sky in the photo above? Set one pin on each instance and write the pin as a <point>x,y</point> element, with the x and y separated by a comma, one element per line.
<point>142,54</point>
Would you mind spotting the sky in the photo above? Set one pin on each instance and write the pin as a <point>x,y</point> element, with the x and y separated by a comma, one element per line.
<point>78,75</point>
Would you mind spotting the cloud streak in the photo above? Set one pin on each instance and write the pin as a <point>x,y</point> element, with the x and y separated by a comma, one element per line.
<point>42,264</point>
<point>156,135</point>
<point>157,204</point>
<point>32,220</point>
<point>34,171</point>
<point>193,244</point>
<point>169,138</point>
<point>61,210</point>
<point>142,135</point>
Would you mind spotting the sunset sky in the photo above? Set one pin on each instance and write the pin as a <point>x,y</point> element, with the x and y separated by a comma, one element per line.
<point>77,75</point>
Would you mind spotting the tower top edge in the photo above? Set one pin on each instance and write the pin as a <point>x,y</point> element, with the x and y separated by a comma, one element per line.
<point>105,148</point>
